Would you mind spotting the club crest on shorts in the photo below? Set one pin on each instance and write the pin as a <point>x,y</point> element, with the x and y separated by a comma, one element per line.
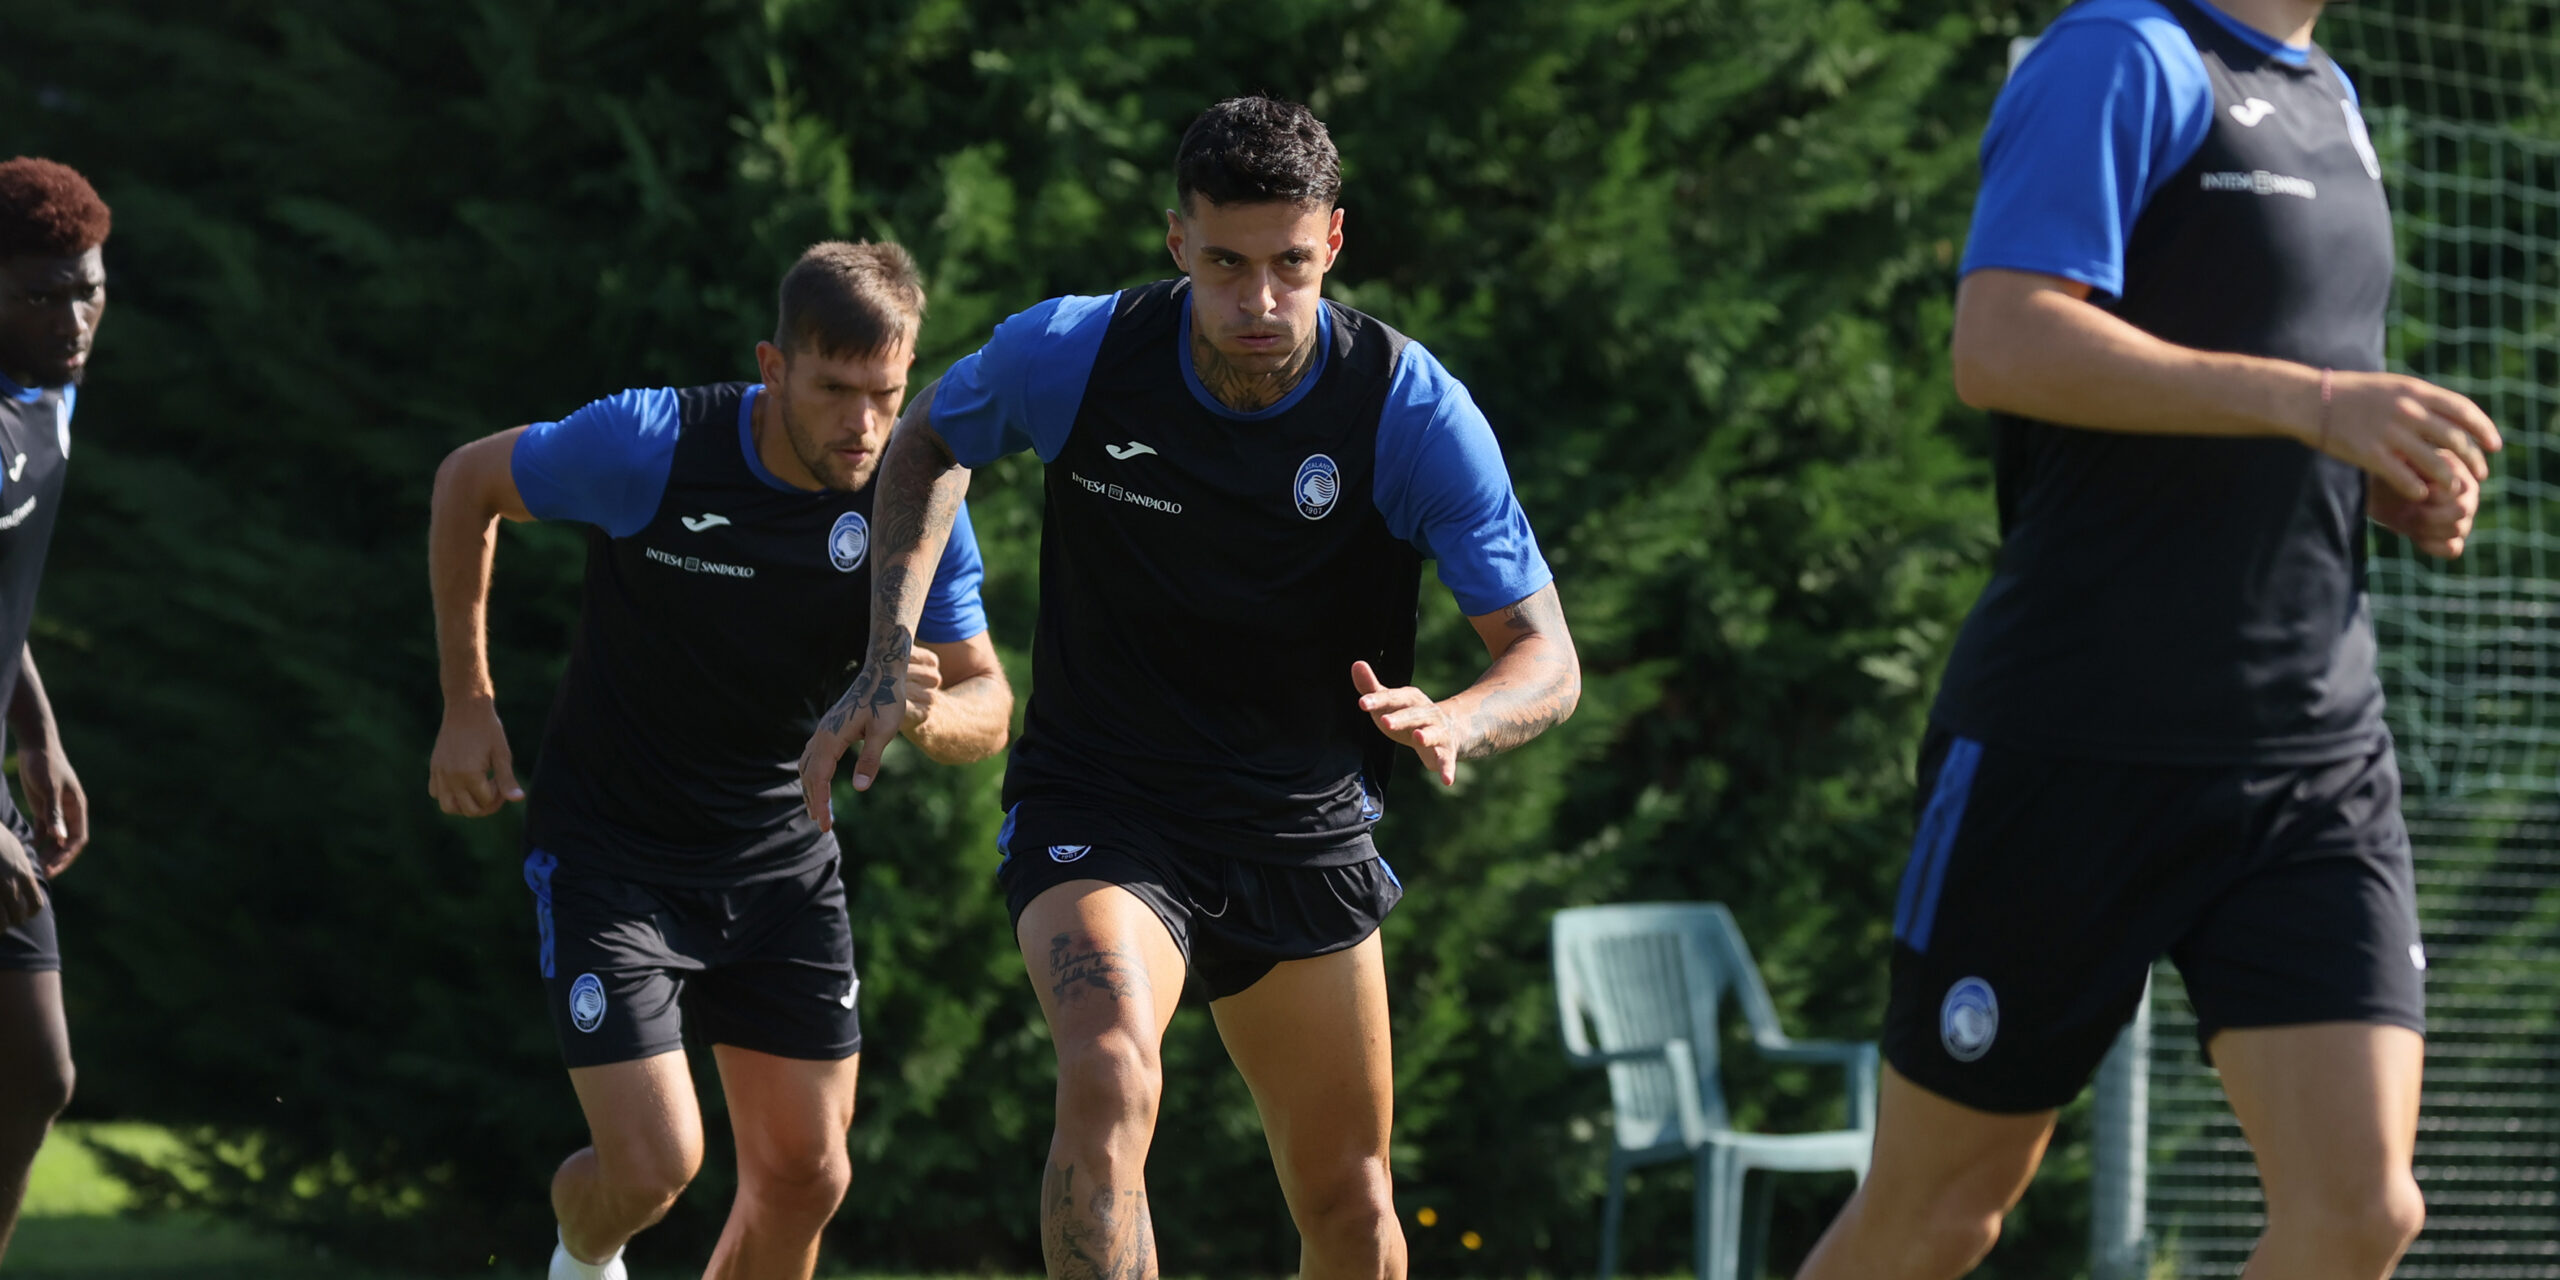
<point>586,1002</point>
<point>1068,852</point>
<point>1318,486</point>
<point>1969,1020</point>
<point>849,541</point>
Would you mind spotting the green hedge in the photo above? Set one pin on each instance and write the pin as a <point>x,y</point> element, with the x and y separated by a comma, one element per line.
<point>1693,258</point>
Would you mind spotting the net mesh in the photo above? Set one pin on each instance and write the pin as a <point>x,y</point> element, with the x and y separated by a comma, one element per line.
<point>2464,100</point>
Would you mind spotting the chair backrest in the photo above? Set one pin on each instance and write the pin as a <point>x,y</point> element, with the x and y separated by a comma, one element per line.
<point>1633,976</point>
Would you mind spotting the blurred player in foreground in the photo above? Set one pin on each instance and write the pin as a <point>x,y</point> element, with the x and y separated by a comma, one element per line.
<point>728,588</point>
<point>53,289</point>
<point>2161,730</point>
<point>1243,480</point>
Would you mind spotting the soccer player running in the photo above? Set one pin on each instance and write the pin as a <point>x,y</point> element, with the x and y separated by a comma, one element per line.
<point>53,289</point>
<point>728,583</point>
<point>2160,732</point>
<point>1242,482</point>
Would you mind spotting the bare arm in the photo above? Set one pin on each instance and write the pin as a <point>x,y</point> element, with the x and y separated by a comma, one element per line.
<point>1534,682</point>
<point>920,488</point>
<point>959,705</point>
<point>472,772</point>
<point>2034,345</point>
<point>56,803</point>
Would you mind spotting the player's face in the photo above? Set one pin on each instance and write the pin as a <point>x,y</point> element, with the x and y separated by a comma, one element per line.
<point>49,309</point>
<point>837,410</point>
<point>1257,275</point>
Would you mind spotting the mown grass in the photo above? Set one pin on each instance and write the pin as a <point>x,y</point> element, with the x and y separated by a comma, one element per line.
<point>75,1227</point>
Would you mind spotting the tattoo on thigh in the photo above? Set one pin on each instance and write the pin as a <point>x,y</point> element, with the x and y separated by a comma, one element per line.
<point>1078,964</point>
<point>1098,1233</point>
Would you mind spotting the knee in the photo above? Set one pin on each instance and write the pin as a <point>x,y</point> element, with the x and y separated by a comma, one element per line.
<point>1109,1081</point>
<point>1350,1215</point>
<point>37,1095</point>
<point>804,1180</point>
<point>651,1174</point>
<point>2368,1225</point>
<point>1938,1237</point>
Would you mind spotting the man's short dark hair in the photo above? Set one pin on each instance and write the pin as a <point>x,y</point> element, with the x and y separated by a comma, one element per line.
<point>844,298</point>
<point>1258,150</point>
<point>48,210</point>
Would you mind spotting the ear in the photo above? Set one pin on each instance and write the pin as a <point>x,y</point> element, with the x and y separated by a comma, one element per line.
<point>1174,240</point>
<point>1333,238</point>
<point>771,363</point>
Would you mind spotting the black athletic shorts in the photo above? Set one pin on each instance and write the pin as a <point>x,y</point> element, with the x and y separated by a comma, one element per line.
<point>31,946</point>
<point>766,966</point>
<point>2041,891</point>
<point>1233,918</point>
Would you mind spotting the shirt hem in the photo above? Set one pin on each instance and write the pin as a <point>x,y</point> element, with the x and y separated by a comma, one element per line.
<point>2302,749</point>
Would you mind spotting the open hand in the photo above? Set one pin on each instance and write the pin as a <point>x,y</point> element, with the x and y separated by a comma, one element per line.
<point>21,890</point>
<point>56,803</point>
<point>1409,716</point>
<point>472,773</point>
<point>869,714</point>
<point>2407,434</point>
<point>2439,524</point>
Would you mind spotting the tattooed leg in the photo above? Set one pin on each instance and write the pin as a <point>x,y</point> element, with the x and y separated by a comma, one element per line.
<point>1108,977</point>
<point>1094,1232</point>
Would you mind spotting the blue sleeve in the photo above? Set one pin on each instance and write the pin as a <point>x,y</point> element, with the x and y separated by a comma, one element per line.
<point>952,610</point>
<point>1022,389</point>
<point>2098,116</point>
<point>1441,485</point>
<point>2353,97</point>
<point>606,464</point>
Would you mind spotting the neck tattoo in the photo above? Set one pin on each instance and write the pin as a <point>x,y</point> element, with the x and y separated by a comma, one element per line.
<point>1243,391</point>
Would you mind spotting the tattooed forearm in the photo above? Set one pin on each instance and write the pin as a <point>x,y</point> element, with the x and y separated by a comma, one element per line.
<point>1534,683</point>
<point>1078,964</point>
<point>1242,390</point>
<point>1094,1232</point>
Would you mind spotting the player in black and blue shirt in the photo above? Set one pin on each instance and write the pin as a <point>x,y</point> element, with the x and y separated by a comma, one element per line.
<point>53,291</point>
<point>2160,732</point>
<point>728,587</point>
<point>1243,481</point>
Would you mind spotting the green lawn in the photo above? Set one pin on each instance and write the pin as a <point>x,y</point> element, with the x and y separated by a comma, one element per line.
<point>74,1228</point>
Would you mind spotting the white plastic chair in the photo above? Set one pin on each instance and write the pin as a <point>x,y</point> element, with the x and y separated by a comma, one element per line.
<point>1639,985</point>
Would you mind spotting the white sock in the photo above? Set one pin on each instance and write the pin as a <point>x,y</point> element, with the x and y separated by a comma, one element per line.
<point>565,1265</point>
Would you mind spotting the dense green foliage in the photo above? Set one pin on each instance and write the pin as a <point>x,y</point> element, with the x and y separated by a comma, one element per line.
<point>1693,258</point>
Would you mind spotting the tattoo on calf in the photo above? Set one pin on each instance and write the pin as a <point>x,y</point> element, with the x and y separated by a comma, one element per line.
<point>1078,964</point>
<point>1108,1236</point>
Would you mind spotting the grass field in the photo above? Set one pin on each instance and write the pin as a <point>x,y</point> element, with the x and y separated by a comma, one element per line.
<point>75,1228</point>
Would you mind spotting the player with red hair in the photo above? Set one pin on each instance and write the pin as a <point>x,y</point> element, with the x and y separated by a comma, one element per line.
<point>53,288</point>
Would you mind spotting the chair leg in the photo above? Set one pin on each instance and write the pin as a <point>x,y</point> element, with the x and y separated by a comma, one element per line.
<point>1614,1212</point>
<point>1753,1232</point>
<point>1716,1209</point>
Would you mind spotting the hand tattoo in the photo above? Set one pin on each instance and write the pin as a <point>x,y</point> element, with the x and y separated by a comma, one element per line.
<point>871,687</point>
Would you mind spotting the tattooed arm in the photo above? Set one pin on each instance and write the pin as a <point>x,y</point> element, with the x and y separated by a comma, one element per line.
<point>1533,684</point>
<point>920,488</point>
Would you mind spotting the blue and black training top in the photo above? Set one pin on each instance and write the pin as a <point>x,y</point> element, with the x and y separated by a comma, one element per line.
<point>2181,598</point>
<point>724,610</point>
<point>35,457</point>
<point>1208,577</point>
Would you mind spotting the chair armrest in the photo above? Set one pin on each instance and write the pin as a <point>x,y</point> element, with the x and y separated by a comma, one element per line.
<point>1857,1056</point>
<point>1603,1057</point>
<point>1840,1051</point>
